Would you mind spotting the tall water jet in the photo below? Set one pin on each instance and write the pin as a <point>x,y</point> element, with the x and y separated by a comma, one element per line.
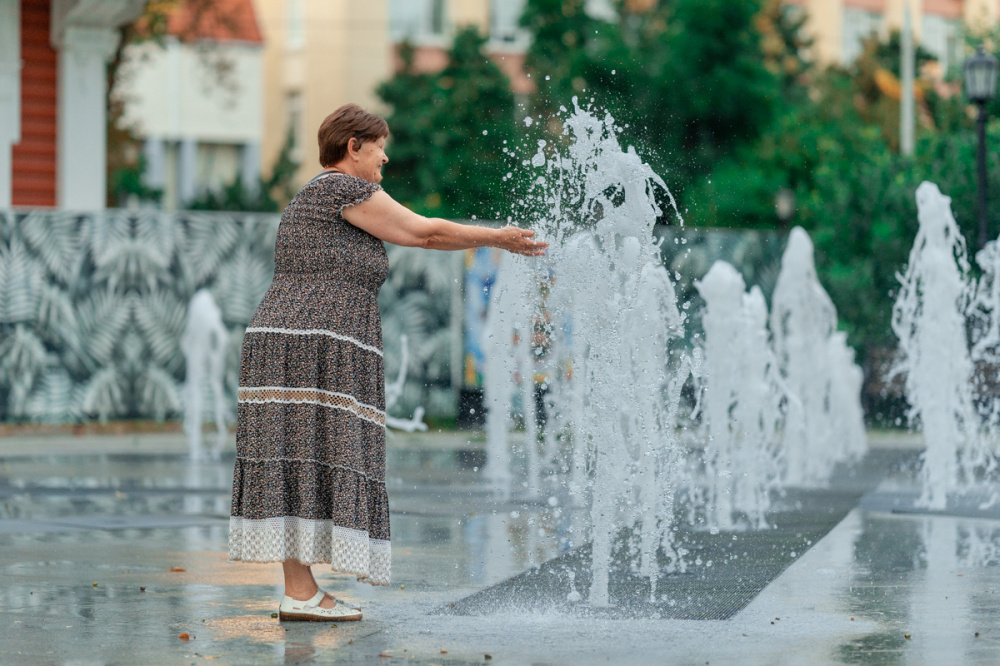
<point>810,355</point>
<point>758,411</point>
<point>929,319</point>
<point>983,316</point>
<point>843,400</point>
<point>607,319</point>
<point>740,402</point>
<point>204,346</point>
<point>722,289</point>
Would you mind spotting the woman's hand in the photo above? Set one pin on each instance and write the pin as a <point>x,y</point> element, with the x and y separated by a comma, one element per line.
<point>519,241</point>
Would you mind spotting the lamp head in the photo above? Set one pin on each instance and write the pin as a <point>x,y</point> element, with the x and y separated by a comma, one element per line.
<point>981,76</point>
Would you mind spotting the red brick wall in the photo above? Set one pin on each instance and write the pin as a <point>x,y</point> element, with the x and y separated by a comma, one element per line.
<point>34,158</point>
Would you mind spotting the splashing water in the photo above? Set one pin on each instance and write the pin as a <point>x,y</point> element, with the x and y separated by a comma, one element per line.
<point>596,326</point>
<point>929,318</point>
<point>598,320</point>
<point>204,347</point>
<point>740,402</point>
<point>823,419</point>
<point>983,315</point>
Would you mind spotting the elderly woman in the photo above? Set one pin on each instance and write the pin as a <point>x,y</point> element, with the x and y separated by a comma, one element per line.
<point>309,483</point>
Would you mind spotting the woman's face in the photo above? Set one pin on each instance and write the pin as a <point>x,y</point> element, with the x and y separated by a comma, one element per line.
<point>371,157</point>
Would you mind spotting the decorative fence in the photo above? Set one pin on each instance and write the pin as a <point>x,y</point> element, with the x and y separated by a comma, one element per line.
<point>93,306</point>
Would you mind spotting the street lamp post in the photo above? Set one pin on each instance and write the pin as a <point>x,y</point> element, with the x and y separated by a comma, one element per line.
<point>980,87</point>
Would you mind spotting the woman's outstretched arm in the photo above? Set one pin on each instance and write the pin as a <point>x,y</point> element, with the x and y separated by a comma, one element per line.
<point>386,219</point>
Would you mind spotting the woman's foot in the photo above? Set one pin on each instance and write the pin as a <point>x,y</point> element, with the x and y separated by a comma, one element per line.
<point>320,608</point>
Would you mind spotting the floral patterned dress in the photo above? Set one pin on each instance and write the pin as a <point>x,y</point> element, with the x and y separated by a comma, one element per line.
<point>309,482</point>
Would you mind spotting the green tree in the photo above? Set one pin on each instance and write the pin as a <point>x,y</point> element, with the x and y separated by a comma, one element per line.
<point>854,192</point>
<point>448,133</point>
<point>687,80</point>
<point>784,41</point>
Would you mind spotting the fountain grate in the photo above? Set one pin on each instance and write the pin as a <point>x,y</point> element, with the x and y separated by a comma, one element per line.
<point>743,563</point>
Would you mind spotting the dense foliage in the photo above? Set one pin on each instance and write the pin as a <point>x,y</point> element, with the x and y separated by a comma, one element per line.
<point>721,98</point>
<point>448,131</point>
<point>687,79</point>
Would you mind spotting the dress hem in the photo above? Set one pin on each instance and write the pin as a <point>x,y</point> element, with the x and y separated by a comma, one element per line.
<point>346,550</point>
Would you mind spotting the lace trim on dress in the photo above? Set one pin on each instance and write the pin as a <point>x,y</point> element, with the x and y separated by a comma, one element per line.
<point>310,542</point>
<point>310,396</point>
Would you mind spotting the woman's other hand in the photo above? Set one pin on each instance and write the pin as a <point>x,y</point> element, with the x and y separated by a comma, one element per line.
<point>520,241</point>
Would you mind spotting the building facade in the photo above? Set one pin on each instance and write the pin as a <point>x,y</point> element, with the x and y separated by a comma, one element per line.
<point>53,112</point>
<point>196,101</point>
<point>839,27</point>
<point>319,55</point>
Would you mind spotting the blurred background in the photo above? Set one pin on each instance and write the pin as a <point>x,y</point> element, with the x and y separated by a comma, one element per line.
<point>147,148</point>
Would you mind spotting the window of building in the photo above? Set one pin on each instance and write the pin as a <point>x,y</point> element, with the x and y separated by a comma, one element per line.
<point>505,22</point>
<point>217,165</point>
<point>417,20</point>
<point>859,25</point>
<point>437,17</point>
<point>940,36</point>
<point>295,24</point>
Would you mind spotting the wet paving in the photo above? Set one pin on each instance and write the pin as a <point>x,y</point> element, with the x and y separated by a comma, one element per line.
<point>112,550</point>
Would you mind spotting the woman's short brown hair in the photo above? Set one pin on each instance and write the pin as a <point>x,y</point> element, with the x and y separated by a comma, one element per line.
<point>348,122</point>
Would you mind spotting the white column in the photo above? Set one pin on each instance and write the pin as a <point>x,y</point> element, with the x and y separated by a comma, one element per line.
<point>250,167</point>
<point>187,172</point>
<point>154,153</point>
<point>10,92</point>
<point>81,181</point>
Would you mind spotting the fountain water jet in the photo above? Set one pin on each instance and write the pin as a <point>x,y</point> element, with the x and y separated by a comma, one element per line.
<point>204,347</point>
<point>930,318</point>
<point>598,321</point>
<point>740,402</point>
<point>817,369</point>
<point>597,325</point>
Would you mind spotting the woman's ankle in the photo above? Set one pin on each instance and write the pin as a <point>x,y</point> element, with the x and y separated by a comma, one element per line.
<point>300,593</point>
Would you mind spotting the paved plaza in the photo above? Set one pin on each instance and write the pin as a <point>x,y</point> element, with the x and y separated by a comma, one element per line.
<point>113,550</point>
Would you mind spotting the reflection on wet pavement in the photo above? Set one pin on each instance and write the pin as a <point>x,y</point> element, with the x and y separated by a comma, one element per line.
<point>111,557</point>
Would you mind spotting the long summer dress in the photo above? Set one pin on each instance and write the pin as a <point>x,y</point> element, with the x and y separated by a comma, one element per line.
<point>309,482</point>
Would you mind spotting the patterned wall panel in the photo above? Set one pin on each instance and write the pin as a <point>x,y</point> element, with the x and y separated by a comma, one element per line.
<point>92,308</point>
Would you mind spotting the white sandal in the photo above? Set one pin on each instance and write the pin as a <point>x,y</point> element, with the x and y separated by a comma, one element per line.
<point>311,611</point>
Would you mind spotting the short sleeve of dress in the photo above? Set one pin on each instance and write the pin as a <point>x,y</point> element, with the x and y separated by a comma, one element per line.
<point>352,191</point>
